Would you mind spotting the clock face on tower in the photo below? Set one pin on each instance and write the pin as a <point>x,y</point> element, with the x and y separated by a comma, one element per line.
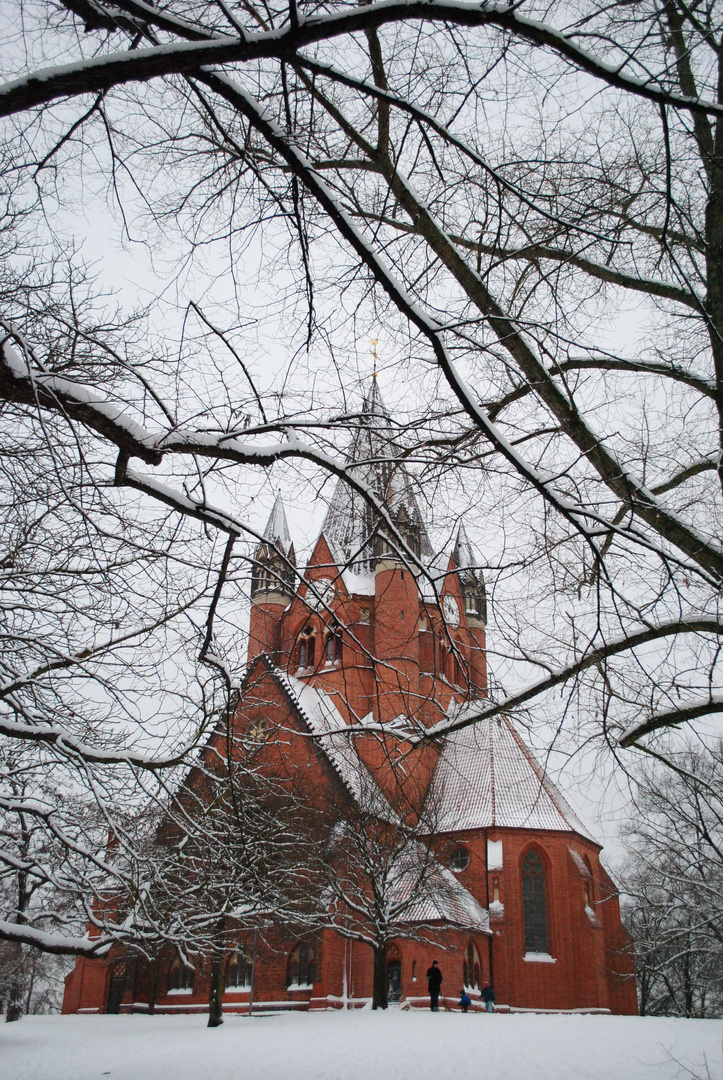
<point>323,594</point>
<point>450,609</point>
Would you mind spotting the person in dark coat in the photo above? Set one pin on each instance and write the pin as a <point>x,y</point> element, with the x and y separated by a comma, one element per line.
<point>465,1001</point>
<point>488,996</point>
<point>434,981</point>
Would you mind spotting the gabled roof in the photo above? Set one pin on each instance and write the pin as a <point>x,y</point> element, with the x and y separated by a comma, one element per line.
<point>486,776</point>
<point>448,899</point>
<point>333,737</point>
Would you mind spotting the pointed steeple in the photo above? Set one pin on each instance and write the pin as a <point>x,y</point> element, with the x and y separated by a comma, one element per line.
<point>470,577</point>
<point>277,528</point>
<point>464,557</point>
<point>274,559</point>
<point>350,526</point>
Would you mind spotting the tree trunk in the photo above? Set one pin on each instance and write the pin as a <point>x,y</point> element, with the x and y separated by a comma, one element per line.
<point>215,999</point>
<point>31,984</point>
<point>152,986</point>
<point>381,986</point>
<point>15,995</point>
<point>687,985</point>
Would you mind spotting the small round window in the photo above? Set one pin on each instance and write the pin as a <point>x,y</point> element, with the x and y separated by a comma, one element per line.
<point>460,859</point>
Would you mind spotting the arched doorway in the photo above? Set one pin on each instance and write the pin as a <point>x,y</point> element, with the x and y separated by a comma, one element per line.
<point>394,980</point>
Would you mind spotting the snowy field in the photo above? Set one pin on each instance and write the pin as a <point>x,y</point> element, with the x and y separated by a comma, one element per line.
<point>361,1046</point>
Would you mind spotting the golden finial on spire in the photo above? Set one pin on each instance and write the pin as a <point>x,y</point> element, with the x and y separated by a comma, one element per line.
<point>373,351</point>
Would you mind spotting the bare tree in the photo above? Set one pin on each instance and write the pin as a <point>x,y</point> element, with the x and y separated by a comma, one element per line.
<point>498,185</point>
<point>674,911</point>
<point>385,881</point>
<point>234,849</point>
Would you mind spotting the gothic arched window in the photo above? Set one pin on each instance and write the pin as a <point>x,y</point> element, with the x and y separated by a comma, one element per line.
<point>238,975</point>
<point>306,648</point>
<point>333,645</point>
<point>471,967</point>
<point>181,976</point>
<point>301,965</point>
<point>534,903</point>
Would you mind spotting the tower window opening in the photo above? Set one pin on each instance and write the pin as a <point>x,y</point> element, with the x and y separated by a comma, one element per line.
<point>307,648</point>
<point>334,646</point>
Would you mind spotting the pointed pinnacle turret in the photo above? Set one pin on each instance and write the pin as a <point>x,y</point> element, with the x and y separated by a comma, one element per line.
<point>464,556</point>
<point>274,561</point>
<point>470,577</point>
<point>277,528</point>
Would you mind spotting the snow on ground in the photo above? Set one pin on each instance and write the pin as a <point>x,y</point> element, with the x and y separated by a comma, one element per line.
<point>361,1046</point>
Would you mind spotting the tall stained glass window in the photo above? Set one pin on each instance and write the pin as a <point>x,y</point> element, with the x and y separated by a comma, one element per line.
<point>534,903</point>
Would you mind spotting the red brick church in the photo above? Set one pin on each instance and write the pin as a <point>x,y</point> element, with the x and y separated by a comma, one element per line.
<point>362,657</point>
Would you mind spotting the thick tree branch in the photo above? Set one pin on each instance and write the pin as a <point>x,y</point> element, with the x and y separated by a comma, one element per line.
<point>671,719</point>
<point>185,58</point>
<point>592,658</point>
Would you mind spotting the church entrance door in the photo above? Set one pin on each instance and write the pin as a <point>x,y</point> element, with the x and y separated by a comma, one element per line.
<point>115,994</point>
<point>394,973</point>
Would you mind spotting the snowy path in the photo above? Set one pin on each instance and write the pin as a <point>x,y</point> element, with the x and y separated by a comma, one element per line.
<point>361,1046</point>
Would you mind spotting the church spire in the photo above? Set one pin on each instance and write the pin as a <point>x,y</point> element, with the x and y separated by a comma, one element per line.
<point>374,458</point>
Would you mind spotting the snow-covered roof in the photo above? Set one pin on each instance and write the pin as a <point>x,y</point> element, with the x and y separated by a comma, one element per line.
<point>486,776</point>
<point>448,900</point>
<point>334,736</point>
<point>358,578</point>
